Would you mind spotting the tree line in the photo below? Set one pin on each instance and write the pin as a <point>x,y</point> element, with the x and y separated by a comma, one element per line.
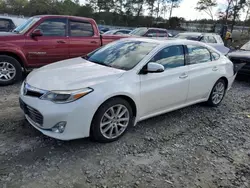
<point>128,12</point>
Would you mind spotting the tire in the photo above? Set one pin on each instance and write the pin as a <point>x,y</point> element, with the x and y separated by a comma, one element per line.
<point>10,70</point>
<point>103,120</point>
<point>220,93</point>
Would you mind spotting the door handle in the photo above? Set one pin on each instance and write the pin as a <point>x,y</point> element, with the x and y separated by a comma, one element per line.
<point>61,42</point>
<point>183,76</point>
<point>93,42</point>
<point>215,68</point>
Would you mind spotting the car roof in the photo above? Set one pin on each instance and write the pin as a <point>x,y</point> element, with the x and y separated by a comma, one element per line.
<point>162,43</point>
<point>151,28</point>
<point>165,42</point>
<point>63,16</point>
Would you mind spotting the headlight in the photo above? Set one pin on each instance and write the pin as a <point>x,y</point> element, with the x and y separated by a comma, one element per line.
<point>66,96</point>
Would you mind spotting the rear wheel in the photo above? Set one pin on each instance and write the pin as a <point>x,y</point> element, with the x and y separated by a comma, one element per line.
<point>111,120</point>
<point>10,70</point>
<point>218,93</point>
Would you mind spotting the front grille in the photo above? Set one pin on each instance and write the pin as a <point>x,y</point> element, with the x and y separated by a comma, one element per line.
<point>33,114</point>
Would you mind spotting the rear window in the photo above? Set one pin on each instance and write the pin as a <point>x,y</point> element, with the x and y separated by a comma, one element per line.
<point>81,29</point>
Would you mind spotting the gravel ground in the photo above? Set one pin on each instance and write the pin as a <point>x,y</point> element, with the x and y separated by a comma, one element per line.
<point>194,147</point>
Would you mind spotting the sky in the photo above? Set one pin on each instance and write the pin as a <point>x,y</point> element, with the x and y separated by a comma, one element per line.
<point>187,10</point>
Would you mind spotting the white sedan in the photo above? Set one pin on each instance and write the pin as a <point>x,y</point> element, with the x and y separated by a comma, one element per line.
<point>122,83</point>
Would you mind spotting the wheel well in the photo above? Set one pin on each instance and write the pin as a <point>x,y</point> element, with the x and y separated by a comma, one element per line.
<point>226,81</point>
<point>130,101</point>
<point>14,56</point>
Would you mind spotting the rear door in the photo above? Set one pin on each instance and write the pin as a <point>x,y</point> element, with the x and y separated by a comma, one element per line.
<point>82,38</point>
<point>204,71</point>
<point>52,46</point>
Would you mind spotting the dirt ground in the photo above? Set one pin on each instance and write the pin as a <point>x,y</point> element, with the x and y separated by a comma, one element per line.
<point>194,147</point>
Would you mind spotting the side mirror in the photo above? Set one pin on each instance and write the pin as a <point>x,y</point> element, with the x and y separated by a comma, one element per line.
<point>237,47</point>
<point>37,33</point>
<point>154,68</point>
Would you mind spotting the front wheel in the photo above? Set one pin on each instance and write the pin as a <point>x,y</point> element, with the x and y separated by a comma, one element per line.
<point>217,94</point>
<point>10,70</point>
<point>111,120</point>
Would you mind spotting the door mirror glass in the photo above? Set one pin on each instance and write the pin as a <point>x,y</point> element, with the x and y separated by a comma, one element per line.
<point>154,68</point>
<point>37,33</point>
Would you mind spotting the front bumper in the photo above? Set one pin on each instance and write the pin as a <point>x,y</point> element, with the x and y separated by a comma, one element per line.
<point>77,114</point>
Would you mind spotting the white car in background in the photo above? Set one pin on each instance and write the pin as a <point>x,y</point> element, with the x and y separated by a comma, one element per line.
<point>9,23</point>
<point>212,39</point>
<point>122,83</point>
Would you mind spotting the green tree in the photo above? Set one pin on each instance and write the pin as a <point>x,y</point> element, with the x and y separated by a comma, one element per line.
<point>206,6</point>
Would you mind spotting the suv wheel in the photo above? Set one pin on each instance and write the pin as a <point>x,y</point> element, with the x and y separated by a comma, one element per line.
<point>10,70</point>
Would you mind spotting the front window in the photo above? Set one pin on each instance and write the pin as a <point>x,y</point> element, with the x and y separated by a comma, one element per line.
<point>121,54</point>
<point>170,57</point>
<point>53,27</point>
<point>139,31</point>
<point>246,46</point>
<point>27,25</point>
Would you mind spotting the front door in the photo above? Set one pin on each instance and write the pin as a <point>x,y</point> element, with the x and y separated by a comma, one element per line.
<point>166,90</point>
<point>52,46</point>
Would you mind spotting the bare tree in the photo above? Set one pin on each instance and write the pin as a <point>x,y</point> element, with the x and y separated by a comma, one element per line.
<point>206,6</point>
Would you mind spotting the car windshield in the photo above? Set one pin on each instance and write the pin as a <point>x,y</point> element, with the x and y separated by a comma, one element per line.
<point>139,31</point>
<point>27,25</point>
<point>246,46</point>
<point>121,54</point>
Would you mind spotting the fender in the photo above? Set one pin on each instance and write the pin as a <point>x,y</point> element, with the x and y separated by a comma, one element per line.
<point>14,50</point>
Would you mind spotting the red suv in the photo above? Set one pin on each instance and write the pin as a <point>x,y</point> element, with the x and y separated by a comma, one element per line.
<point>47,39</point>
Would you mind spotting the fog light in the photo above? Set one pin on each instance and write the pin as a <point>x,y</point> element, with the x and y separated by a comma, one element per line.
<point>59,127</point>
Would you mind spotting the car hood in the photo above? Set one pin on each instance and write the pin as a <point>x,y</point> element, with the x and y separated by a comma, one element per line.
<point>71,74</point>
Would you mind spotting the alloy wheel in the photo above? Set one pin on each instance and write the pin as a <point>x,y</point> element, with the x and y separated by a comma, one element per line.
<point>114,121</point>
<point>7,71</point>
<point>218,92</point>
